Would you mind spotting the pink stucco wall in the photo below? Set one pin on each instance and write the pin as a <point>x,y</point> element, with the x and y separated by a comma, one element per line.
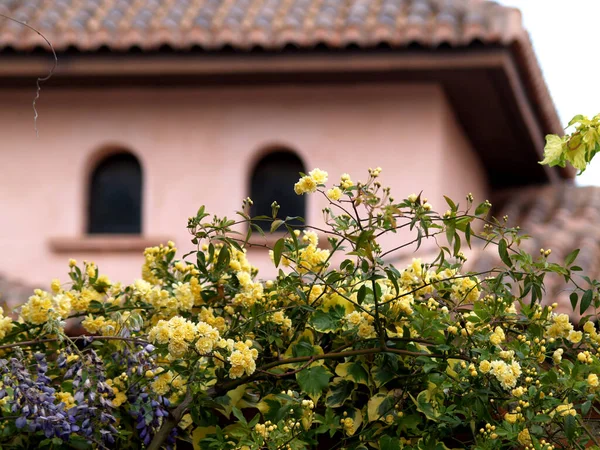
<point>196,146</point>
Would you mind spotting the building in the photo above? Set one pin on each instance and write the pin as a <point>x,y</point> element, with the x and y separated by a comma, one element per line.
<point>159,106</point>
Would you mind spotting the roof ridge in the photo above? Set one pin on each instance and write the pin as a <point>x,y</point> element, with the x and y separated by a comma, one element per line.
<point>245,24</point>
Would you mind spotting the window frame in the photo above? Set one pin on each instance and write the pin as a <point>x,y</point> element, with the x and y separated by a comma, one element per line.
<point>262,158</point>
<point>96,166</point>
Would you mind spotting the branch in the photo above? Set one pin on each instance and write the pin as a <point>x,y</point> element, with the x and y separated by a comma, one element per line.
<point>75,338</point>
<point>171,422</point>
<point>39,80</point>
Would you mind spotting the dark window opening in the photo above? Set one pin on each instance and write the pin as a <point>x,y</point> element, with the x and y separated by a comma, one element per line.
<point>115,196</point>
<point>272,180</point>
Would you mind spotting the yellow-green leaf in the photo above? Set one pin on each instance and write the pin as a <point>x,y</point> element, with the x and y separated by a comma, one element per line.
<point>200,433</point>
<point>235,396</point>
<point>577,156</point>
<point>379,406</point>
<point>353,371</point>
<point>553,151</point>
<point>356,416</point>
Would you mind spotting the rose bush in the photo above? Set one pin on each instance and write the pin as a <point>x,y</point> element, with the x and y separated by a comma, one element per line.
<point>359,354</point>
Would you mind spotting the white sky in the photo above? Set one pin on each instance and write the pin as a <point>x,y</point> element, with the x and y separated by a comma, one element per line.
<point>565,35</point>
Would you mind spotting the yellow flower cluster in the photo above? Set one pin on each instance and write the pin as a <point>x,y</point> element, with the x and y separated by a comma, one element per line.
<point>265,429</point>
<point>513,417</point>
<point>80,301</point>
<point>42,306</point>
<point>242,358</point>
<point>401,305</point>
<point>153,255</point>
<point>465,289</point>
<point>560,327</point>
<point>565,409</point>
<point>311,258</point>
<point>590,328</point>
<point>184,296</point>
<point>498,336</point>
<point>309,183</point>
<point>93,325</point>
<point>557,355</point>
<point>279,318</point>
<point>162,383</point>
<point>66,398</point>
<point>524,437</point>
<point>506,374</point>
<point>239,262</point>
<point>251,292</point>
<point>375,172</point>
<point>346,181</point>
<point>585,357</point>
<point>334,194</point>
<point>178,333</point>
<point>6,324</point>
<point>208,336</point>
<point>415,275</point>
<point>348,425</point>
<point>362,322</point>
<point>208,315</point>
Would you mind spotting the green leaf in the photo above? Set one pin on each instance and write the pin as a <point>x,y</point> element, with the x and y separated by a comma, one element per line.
<point>238,415</point>
<point>389,443</point>
<point>450,231</point>
<point>585,408</point>
<point>482,208</point>
<point>586,301</point>
<point>576,119</point>
<point>383,374</point>
<point>273,409</point>
<point>503,252</point>
<point>573,297</point>
<point>339,392</point>
<point>275,225</point>
<point>393,279</point>
<point>570,259</point>
<point>570,426</point>
<point>223,259</point>
<point>451,204</point>
<point>468,234</point>
<point>314,380</point>
<point>325,322</point>
<point>277,250</point>
<point>362,293</point>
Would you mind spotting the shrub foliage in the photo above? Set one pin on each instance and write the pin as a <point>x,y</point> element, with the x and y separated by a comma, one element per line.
<point>342,349</point>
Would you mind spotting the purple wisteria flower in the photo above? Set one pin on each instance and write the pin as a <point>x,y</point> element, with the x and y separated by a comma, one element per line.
<point>34,398</point>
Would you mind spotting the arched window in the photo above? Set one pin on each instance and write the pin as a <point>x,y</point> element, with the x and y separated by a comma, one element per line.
<point>273,179</point>
<point>115,196</point>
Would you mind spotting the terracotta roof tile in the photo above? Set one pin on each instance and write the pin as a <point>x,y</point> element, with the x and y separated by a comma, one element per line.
<point>87,25</point>
<point>245,24</point>
<point>13,293</point>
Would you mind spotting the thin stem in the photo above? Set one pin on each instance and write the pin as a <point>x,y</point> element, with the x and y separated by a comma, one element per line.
<point>587,431</point>
<point>39,80</point>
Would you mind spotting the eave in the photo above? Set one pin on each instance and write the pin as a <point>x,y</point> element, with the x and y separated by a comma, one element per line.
<point>486,87</point>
